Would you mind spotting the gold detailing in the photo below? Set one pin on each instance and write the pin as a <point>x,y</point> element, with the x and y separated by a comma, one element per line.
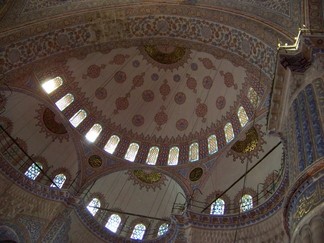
<point>248,144</point>
<point>165,54</point>
<point>95,161</point>
<point>147,177</point>
<point>196,174</point>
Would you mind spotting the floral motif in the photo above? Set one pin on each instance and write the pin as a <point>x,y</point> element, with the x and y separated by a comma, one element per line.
<point>191,83</point>
<point>138,120</point>
<point>208,64</point>
<point>180,98</point>
<point>182,124</point>
<point>228,79</point>
<point>120,77</point>
<point>101,93</point>
<point>207,82</point>
<point>119,59</point>
<point>165,89</point>
<point>93,71</point>
<point>220,102</point>
<point>148,95</point>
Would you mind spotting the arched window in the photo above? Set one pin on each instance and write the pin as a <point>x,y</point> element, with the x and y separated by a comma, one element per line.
<point>253,97</point>
<point>152,156</point>
<point>92,206</point>
<point>65,101</point>
<point>212,144</point>
<point>112,143</point>
<point>138,232</point>
<point>242,116</point>
<point>93,133</point>
<point>218,207</point>
<point>163,229</point>
<point>173,156</point>
<point>229,133</point>
<point>58,180</point>
<point>113,223</point>
<point>132,152</point>
<point>193,152</point>
<point>50,85</point>
<point>33,171</point>
<point>78,117</point>
<point>246,203</point>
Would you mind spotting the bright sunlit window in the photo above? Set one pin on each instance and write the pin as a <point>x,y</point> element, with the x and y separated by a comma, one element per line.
<point>218,207</point>
<point>229,133</point>
<point>58,180</point>
<point>50,85</point>
<point>138,232</point>
<point>113,223</point>
<point>78,118</point>
<point>65,101</point>
<point>242,116</point>
<point>33,171</point>
<point>93,206</point>
<point>132,152</point>
<point>246,203</point>
<point>152,156</point>
<point>212,144</point>
<point>163,229</point>
<point>112,143</point>
<point>173,156</point>
<point>94,132</point>
<point>193,152</point>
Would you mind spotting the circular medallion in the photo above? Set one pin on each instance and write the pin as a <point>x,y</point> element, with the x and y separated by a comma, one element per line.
<point>95,161</point>
<point>93,71</point>
<point>207,82</point>
<point>120,77</point>
<point>201,110</point>
<point>138,120</point>
<point>220,102</point>
<point>196,174</point>
<point>182,124</point>
<point>148,95</point>
<point>101,93</point>
<point>180,98</point>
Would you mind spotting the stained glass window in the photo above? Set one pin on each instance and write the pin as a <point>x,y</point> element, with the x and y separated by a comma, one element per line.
<point>33,171</point>
<point>92,206</point>
<point>138,232</point>
<point>65,101</point>
<point>212,144</point>
<point>152,156</point>
<point>173,156</point>
<point>132,152</point>
<point>50,85</point>
<point>94,132</point>
<point>246,203</point>
<point>112,143</point>
<point>58,180</point>
<point>229,133</point>
<point>163,229</point>
<point>78,118</point>
<point>113,222</point>
<point>193,152</point>
<point>253,97</point>
<point>242,116</point>
<point>218,207</point>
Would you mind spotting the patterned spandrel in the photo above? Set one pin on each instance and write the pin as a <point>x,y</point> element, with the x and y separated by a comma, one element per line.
<point>51,85</point>
<point>138,232</point>
<point>212,144</point>
<point>78,118</point>
<point>93,133</point>
<point>246,203</point>
<point>242,116</point>
<point>229,133</point>
<point>112,143</point>
<point>163,229</point>
<point>64,102</point>
<point>92,206</point>
<point>152,156</point>
<point>113,222</point>
<point>253,97</point>
<point>132,152</point>
<point>173,156</point>
<point>218,207</point>
<point>33,171</point>
<point>59,180</point>
<point>194,152</point>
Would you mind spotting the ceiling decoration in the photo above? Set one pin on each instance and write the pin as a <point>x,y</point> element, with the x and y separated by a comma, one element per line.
<point>95,161</point>
<point>167,54</point>
<point>147,178</point>
<point>50,124</point>
<point>196,174</point>
<point>250,145</point>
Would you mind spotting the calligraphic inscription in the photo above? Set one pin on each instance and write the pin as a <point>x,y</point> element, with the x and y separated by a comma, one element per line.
<point>95,161</point>
<point>196,174</point>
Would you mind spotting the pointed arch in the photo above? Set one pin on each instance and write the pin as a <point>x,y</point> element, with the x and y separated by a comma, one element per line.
<point>93,206</point>
<point>246,203</point>
<point>112,144</point>
<point>212,144</point>
<point>131,152</point>
<point>241,113</point>
<point>194,152</point>
<point>138,232</point>
<point>152,155</point>
<point>51,85</point>
<point>113,222</point>
<point>218,207</point>
<point>173,156</point>
<point>229,133</point>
